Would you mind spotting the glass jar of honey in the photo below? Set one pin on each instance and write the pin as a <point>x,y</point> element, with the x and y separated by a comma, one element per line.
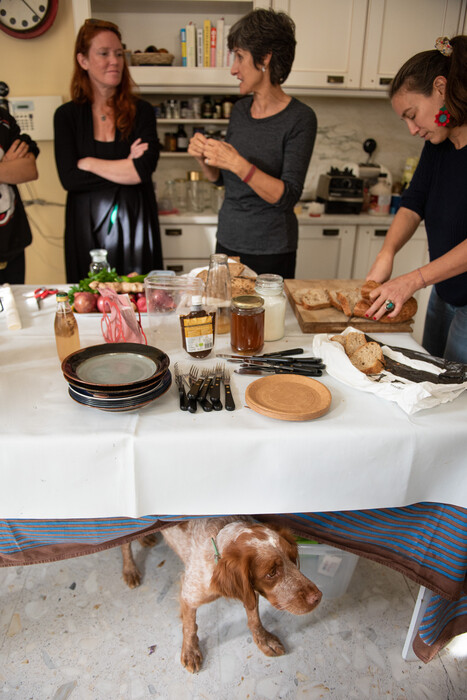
<point>247,324</point>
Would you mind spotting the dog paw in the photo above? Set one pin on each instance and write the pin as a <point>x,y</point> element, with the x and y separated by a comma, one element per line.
<point>132,578</point>
<point>269,644</point>
<point>148,541</point>
<point>192,658</point>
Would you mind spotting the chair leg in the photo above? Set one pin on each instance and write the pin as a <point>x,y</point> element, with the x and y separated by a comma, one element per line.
<point>421,604</point>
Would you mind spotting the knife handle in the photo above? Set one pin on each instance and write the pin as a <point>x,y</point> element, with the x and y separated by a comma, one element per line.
<point>192,405</point>
<point>229,402</point>
<point>280,353</point>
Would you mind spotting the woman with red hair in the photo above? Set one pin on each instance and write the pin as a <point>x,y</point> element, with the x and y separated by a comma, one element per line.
<point>106,149</point>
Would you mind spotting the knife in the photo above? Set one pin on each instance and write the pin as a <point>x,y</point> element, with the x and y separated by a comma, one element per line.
<point>269,371</point>
<point>267,358</point>
<point>293,351</point>
<point>215,392</point>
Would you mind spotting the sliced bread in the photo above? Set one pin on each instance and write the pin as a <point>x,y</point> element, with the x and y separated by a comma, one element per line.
<point>347,300</point>
<point>316,298</point>
<point>352,341</point>
<point>368,358</point>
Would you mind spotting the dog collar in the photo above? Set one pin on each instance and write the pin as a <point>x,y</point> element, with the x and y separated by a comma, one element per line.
<point>217,556</point>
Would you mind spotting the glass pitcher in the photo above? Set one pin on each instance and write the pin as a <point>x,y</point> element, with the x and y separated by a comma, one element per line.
<point>218,291</point>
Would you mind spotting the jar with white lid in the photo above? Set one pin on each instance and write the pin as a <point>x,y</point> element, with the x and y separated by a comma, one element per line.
<point>271,289</point>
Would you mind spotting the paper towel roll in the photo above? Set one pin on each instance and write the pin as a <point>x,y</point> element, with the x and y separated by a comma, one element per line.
<point>12,316</point>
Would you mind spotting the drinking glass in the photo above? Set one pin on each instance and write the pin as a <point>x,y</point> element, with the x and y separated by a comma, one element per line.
<point>218,291</point>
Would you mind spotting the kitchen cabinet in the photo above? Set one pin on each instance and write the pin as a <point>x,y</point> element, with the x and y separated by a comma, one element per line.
<point>397,29</point>
<point>330,36</point>
<point>325,252</point>
<point>186,245</point>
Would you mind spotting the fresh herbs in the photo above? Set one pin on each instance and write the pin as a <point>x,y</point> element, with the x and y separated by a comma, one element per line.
<point>102,276</point>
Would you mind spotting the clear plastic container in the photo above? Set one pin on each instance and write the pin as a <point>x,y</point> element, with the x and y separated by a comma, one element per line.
<point>271,289</point>
<point>168,295</point>
<point>331,569</point>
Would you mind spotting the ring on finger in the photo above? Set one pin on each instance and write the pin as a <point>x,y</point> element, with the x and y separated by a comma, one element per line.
<point>390,306</point>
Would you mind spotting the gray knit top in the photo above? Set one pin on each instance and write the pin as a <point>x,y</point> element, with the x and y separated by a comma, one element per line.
<point>281,146</point>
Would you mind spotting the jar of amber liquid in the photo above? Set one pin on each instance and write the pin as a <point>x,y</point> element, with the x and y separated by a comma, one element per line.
<point>247,324</point>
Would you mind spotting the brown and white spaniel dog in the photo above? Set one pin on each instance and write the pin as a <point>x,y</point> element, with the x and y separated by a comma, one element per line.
<point>237,558</point>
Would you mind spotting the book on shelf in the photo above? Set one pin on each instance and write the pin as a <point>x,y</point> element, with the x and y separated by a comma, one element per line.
<point>207,43</point>
<point>213,46</point>
<point>183,45</point>
<point>190,45</point>
<point>199,46</point>
<point>227,55</point>
<point>220,42</point>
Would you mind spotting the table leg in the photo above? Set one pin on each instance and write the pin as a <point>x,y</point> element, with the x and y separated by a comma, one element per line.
<point>421,604</point>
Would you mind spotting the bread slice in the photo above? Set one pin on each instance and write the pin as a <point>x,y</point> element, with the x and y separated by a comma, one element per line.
<point>348,299</point>
<point>242,286</point>
<point>339,339</point>
<point>361,307</point>
<point>368,287</point>
<point>316,298</point>
<point>368,358</point>
<point>352,341</point>
<point>332,294</point>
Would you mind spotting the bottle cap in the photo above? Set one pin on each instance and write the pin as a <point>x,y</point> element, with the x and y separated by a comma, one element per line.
<point>197,300</point>
<point>61,296</point>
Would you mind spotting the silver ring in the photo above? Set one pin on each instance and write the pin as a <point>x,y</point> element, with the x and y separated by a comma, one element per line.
<point>206,161</point>
<point>390,306</point>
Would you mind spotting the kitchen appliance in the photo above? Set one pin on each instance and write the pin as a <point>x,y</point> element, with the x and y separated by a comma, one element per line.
<point>341,191</point>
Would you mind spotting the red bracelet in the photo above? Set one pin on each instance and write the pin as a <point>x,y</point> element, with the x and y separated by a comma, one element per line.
<point>249,174</point>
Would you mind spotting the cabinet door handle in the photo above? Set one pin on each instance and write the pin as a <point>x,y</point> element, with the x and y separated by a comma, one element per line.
<point>381,231</point>
<point>330,231</point>
<point>384,81</point>
<point>173,231</point>
<point>335,79</point>
<point>175,268</point>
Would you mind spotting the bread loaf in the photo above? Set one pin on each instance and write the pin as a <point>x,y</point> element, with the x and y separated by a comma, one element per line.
<point>352,341</point>
<point>368,358</point>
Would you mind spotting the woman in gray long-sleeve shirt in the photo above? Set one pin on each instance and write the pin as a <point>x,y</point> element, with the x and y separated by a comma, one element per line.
<point>264,159</point>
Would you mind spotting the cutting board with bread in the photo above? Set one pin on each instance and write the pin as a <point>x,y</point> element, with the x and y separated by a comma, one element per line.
<point>330,306</point>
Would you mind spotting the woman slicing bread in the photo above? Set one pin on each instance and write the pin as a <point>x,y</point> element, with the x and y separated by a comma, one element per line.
<point>430,94</point>
<point>265,156</point>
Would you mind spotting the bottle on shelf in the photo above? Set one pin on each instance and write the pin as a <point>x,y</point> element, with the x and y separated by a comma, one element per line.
<point>206,108</point>
<point>65,327</point>
<point>182,139</point>
<point>198,329</point>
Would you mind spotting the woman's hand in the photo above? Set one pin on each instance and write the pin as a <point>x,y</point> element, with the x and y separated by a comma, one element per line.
<point>381,269</point>
<point>397,290</point>
<point>137,149</point>
<point>197,145</point>
<point>18,149</point>
<point>219,154</point>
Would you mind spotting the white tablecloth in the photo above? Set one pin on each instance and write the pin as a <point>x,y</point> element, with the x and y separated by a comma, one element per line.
<point>59,459</point>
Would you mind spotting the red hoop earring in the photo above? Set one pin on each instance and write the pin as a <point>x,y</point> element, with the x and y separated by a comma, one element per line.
<point>443,117</point>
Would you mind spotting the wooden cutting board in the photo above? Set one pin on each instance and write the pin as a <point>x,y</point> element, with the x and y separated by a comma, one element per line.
<point>331,320</point>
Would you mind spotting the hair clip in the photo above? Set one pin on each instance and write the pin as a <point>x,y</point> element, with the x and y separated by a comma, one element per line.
<point>443,45</point>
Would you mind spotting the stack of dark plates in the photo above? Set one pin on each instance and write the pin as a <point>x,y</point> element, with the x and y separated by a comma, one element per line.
<point>117,376</point>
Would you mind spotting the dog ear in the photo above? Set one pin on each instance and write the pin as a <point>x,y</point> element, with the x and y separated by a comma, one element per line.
<point>231,579</point>
<point>290,548</point>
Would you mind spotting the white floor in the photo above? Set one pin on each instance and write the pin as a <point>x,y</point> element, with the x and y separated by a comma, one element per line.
<point>73,630</point>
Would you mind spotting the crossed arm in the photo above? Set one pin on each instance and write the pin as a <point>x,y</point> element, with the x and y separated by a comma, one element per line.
<point>18,164</point>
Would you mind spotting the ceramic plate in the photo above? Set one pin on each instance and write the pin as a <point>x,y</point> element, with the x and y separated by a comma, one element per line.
<point>122,404</point>
<point>117,365</point>
<point>288,397</point>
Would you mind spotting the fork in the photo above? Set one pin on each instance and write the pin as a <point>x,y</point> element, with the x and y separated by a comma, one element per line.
<point>181,388</point>
<point>190,380</point>
<point>229,402</point>
<point>195,382</point>
<point>204,402</point>
<point>215,392</point>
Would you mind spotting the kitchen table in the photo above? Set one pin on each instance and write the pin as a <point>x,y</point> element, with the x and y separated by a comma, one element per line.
<point>62,461</point>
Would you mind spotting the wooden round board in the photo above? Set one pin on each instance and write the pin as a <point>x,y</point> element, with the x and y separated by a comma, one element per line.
<point>288,397</point>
